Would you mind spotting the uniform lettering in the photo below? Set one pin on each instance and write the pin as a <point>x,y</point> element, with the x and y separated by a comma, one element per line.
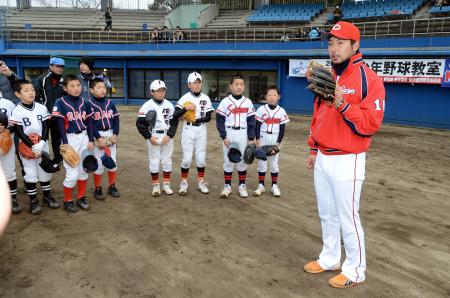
<point>26,121</point>
<point>39,118</point>
<point>239,110</point>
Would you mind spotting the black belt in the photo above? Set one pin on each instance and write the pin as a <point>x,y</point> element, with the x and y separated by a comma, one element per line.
<point>159,131</point>
<point>106,129</point>
<point>269,132</point>
<point>78,132</point>
<point>236,128</point>
<point>193,124</point>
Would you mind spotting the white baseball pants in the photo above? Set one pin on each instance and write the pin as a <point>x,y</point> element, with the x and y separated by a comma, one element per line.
<point>79,142</point>
<point>33,171</point>
<point>100,152</point>
<point>193,139</point>
<point>240,137</point>
<point>8,162</point>
<point>269,139</point>
<point>160,154</point>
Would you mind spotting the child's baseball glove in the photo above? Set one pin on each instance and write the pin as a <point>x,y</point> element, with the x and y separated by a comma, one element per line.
<point>69,155</point>
<point>27,152</point>
<point>189,116</point>
<point>5,142</point>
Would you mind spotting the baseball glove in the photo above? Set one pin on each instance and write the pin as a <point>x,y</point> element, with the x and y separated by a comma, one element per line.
<point>69,155</point>
<point>321,81</point>
<point>189,116</point>
<point>271,149</point>
<point>26,151</point>
<point>5,142</point>
<point>249,153</point>
<point>150,118</point>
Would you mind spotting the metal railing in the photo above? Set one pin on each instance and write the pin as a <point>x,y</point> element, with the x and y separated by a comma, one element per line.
<point>400,28</point>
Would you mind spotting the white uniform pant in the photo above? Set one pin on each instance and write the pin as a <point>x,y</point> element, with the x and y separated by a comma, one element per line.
<point>8,163</point>
<point>79,142</point>
<point>338,181</point>
<point>269,139</point>
<point>98,153</point>
<point>240,137</point>
<point>193,139</point>
<point>33,171</point>
<point>160,154</point>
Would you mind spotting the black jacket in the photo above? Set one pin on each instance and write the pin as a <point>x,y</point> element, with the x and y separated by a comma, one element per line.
<point>46,93</point>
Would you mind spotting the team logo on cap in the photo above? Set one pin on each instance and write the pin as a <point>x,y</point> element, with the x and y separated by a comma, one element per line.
<point>336,27</point>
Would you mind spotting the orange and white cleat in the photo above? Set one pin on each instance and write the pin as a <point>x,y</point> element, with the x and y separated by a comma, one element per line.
<point>314,267</point>
<point>341,281</point>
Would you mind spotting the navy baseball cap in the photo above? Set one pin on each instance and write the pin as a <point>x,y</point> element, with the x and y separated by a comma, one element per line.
<point>57,61</point>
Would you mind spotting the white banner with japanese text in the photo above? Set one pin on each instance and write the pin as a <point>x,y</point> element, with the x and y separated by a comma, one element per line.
<point>395,70</point>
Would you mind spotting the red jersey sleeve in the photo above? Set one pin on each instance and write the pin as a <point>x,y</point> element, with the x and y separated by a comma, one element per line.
<point>366,117</point>
<point>311,143</point>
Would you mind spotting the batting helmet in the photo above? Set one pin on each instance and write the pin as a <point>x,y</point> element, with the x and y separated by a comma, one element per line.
<point>47,164</point>
<point>107,160</point>
<point>261,153</point>
<point>90,163</point>
<point>234,154</point>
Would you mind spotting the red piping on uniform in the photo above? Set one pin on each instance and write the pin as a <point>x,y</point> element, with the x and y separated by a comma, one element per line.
<point>354,222</point>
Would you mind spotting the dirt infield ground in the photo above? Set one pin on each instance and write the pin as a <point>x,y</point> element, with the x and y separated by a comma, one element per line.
<point>202,246</point>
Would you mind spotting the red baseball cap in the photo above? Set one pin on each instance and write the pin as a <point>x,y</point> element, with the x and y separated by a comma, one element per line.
<point>345,30</point>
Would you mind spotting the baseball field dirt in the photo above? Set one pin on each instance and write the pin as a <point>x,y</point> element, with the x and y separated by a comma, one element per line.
<point>203,246</point>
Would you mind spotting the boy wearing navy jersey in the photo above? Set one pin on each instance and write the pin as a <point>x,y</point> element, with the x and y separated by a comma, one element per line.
<point>106,130</point>
<point>73,115</point>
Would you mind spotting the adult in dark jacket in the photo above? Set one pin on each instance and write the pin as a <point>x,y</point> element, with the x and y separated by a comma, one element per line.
<point>86,75</point>
<point>7,79</point>
<point>48,89</point>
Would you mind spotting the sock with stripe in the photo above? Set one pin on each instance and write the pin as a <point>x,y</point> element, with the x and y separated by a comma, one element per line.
<point>200,173</point>
<point>13,188</point>
<point>274,178</point>
<point>155,178</point>
<point>46,189</point>
<point>227,176</point>
<point>166,177</point>
<point>242,177</point>
<point>31,190</point>
<point>261,177</point>
<point>184,173</point>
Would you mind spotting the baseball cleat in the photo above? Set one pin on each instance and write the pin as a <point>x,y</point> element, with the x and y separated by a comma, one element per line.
<point>156,192</point>
<point>183,188</point>
<point>259,191</point>
<point>341,281</point>
<point>276,190</point>
<point>16,208</point>
<point>35,208</point>
<point>50,202</point>
<point>314,267</point>
<point>167,189</point>
<point>83,203</point>
<point>70,207</point>
<point>226,191</point>
<point>98,194</point>
<point>243,191</point>
<point>203,187</point>
<point>113,191</point>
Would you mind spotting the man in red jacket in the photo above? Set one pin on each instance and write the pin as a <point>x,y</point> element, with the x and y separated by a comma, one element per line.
<point>340,135</point>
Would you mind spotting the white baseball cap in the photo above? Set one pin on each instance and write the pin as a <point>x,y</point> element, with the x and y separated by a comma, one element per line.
<point>157,84</point>
<point>193,76</point>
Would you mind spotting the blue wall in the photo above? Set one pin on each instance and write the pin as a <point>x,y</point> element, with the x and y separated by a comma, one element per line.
<point>417,105</point>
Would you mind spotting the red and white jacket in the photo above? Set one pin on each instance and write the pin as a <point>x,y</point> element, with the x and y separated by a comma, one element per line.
<point>349,128</point>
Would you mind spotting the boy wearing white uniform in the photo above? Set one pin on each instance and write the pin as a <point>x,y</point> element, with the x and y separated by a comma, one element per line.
<point>160,137</point>
<point>31,117</point>
<point>270,125</point>
<point>7,160</point>
<point>235,121</point>
<point>194,134</point>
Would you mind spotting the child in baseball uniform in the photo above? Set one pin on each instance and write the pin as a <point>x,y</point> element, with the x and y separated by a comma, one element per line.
<point>235,121</point>
<point>7,159</point>
<point>270,124</point>
<point>73,115</point>
<point>106,130</point>
<point>160,137</point>
<point>194,134</point>
<point>31,117</point>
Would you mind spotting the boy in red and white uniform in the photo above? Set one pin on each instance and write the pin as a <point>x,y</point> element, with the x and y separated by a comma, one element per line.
<point>340,136</point>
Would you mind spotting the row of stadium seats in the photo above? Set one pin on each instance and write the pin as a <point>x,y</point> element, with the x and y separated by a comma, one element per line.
<point>285,13</point>
<point>440,10</point>
<point>373,8</point>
